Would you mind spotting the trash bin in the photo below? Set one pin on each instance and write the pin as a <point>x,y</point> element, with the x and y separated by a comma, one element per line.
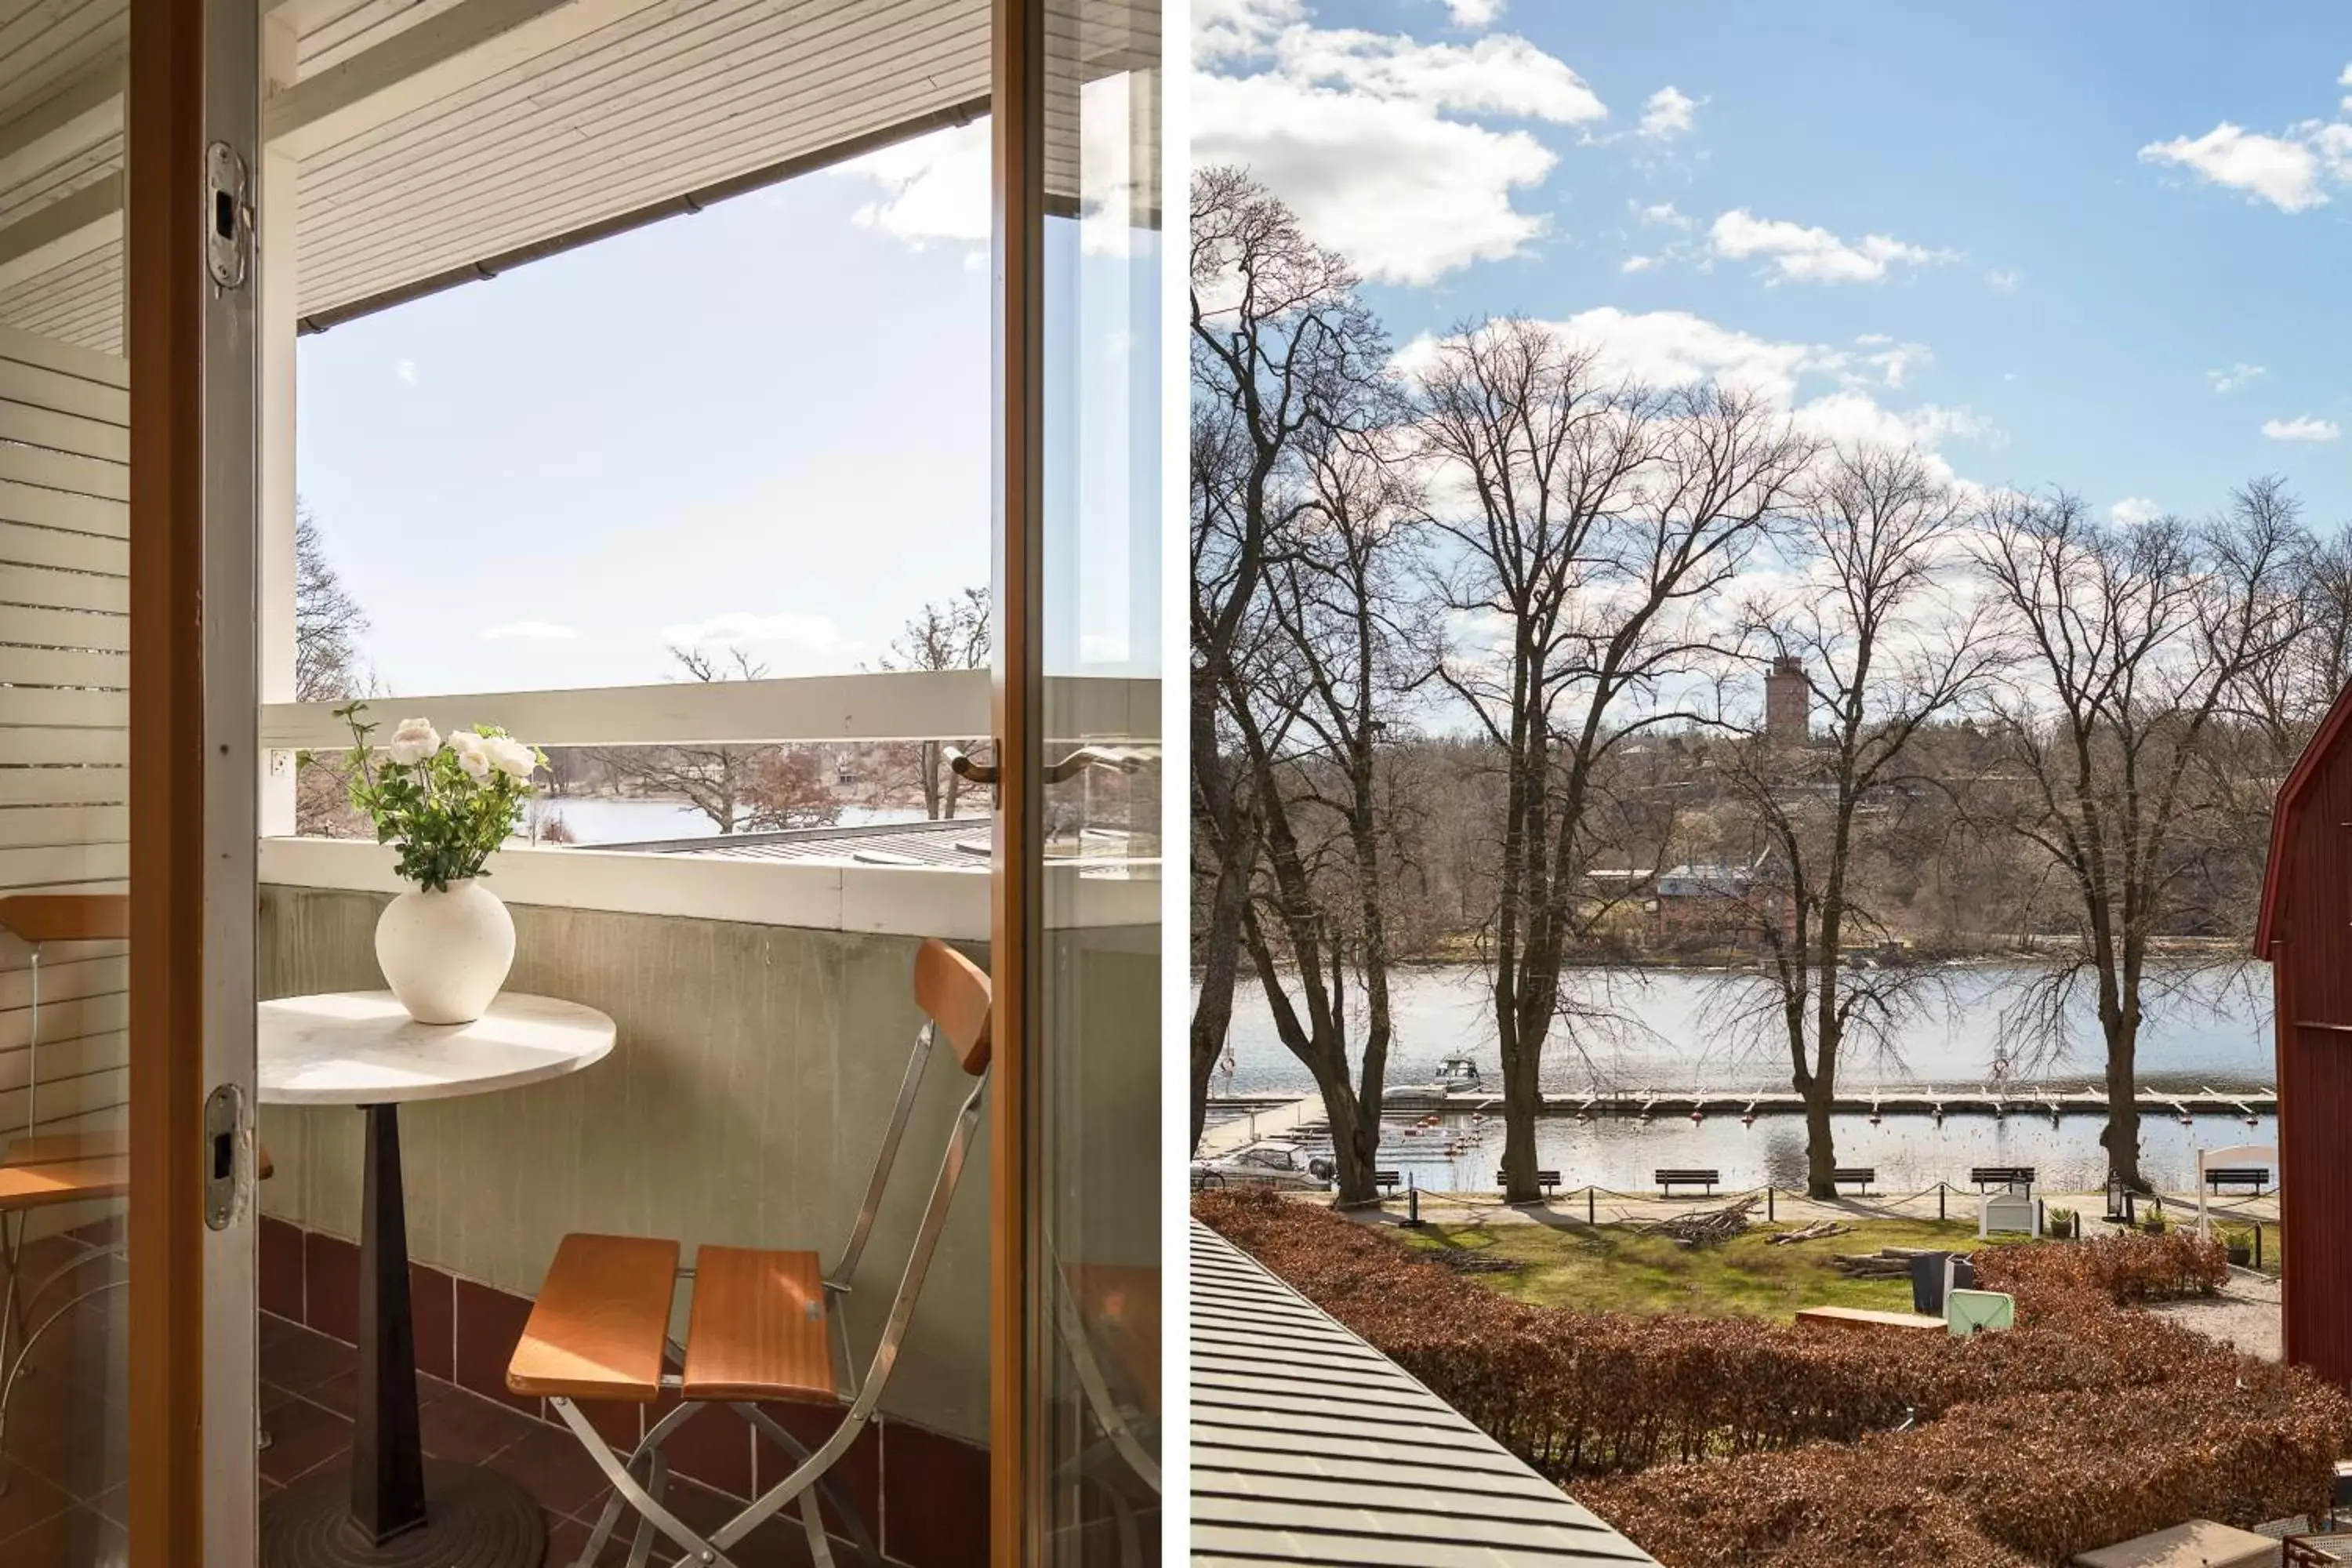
<point>1927,1283</point>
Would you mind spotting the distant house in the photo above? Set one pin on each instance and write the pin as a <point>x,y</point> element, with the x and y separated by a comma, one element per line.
<point>1712,899</point>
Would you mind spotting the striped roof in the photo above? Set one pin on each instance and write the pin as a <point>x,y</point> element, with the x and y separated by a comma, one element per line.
<point>1310,1446</point>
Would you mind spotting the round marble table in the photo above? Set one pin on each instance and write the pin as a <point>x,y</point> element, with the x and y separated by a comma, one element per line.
<point>361,1049</point>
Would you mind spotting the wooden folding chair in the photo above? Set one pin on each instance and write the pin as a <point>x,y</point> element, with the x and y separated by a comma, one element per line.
<point>763,1325</point>
<point>38,1171</point>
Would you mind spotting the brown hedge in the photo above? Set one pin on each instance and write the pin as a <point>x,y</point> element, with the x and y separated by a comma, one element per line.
<point>2062,1434</point>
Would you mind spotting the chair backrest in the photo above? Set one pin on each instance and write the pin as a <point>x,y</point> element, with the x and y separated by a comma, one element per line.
<point>37,919</point>
<point>954,995</point>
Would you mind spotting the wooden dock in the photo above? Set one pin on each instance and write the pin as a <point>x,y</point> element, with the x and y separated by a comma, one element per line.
<point>1281,1114</point>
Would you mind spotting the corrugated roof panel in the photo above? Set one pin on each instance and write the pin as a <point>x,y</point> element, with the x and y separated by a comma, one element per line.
<point>1310,1447</point>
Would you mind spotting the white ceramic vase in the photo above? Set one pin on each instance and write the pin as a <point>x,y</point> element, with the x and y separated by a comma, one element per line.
<point>445,955</point>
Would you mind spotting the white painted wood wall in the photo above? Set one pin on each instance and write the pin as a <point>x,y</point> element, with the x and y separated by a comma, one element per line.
<point>64,678</point>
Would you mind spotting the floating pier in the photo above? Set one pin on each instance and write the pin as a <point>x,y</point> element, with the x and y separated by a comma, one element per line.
<point>1648,1104</point>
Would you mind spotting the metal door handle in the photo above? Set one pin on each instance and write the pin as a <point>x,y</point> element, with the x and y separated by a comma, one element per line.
<point>964,768</point>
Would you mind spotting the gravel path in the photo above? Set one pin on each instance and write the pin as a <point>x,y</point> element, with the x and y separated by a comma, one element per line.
<point>2245,1314</point>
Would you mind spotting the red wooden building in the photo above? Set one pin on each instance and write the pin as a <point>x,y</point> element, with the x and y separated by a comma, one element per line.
<point>2305,934</point>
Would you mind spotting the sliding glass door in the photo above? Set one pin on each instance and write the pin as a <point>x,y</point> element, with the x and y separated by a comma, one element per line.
<point>1078,938</point>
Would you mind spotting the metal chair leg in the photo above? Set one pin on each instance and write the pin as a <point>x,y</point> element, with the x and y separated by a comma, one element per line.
<point>850,1518</point>
<point>703,1553</point>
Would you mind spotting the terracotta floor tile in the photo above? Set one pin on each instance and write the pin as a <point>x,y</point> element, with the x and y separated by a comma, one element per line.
<point>28,1500</point>
<point>78,1538</point>
<point>302,1437</point>
<point>294,1357</point>
<point>550,1465</point>
<point>464,1429</point>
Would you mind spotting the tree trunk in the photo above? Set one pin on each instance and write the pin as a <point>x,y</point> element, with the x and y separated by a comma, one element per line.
<point>1522,1104</point>
<point>1220,958</point>
<point>1821,1153</point>
<point>2121,1138</point>
<point>1351,1149</point>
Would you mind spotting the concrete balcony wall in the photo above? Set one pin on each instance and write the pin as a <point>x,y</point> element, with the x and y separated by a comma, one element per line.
<point>742,1103</point>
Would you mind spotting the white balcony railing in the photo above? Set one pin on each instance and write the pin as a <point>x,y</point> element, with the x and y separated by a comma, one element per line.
<point>893,706</point>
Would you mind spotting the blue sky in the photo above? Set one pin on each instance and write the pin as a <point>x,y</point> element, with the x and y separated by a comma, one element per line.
<point>2091,247</point>
<point>764,424</point>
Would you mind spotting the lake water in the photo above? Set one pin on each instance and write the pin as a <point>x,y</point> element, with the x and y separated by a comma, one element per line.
<point>603,819</point>
<point>1668,1034</point>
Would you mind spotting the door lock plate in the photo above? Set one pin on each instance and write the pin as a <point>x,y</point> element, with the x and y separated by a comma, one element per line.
<point>224,1154</point>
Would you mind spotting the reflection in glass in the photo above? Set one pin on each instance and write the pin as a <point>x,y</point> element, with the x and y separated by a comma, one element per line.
<point>1096,1301</point>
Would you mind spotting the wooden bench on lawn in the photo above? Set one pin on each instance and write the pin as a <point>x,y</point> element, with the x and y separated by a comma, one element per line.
<point>1669,1180</point>
<point>1547,1180</point>
<point>2009,1176</point>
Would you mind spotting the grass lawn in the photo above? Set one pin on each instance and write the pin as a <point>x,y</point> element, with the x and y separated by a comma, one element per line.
<point>1616,1269</point>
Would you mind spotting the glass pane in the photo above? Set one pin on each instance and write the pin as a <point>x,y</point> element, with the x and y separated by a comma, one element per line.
<point>1097,1295</point>
<point>64,706</point>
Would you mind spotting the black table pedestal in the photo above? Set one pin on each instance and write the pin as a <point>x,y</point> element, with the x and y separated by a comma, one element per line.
<point>391,1506</point>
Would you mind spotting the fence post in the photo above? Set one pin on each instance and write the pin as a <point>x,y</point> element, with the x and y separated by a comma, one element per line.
<point>1588,1202</point>
<point>1939,1200</point>
<point>1412,1205</point>
<point>1770,1217</point>
<point>2258,1246</point>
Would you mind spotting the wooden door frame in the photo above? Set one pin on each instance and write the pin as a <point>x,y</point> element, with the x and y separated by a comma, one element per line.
<point>164,273</point>
<point>192,723</point>
<point>1017,47</point>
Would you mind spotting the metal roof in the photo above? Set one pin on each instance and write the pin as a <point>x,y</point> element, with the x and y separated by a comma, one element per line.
<point>1310,1446</point>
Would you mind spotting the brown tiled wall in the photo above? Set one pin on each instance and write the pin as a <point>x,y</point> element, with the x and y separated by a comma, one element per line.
<point>925,1494</point>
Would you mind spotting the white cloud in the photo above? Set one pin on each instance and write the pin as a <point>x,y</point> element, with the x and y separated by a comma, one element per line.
<point>2305,428</point>
<point>1496,74</point>
<point>1662,213</point>
<point>1667,112</point>
<point>1814,255</point>
<point>2346,80</point>
<point>2004,279</point>
<point>1224,30</point>
<point>534,630</point>
<point>1405,195</point>
<point>1475,13</point>
<point>934,188</point>
<point>2133,511</point>
<point>1355,130</point>
<point>739,626</point>
<point>1637,264</point>
<point>405,372</point>
<point>2239,375</point>
<point>2281,170</point>
<point>1888,362</point>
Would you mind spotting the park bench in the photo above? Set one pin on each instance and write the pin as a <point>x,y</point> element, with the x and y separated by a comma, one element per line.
<point>2009,1176</point>
<point>1386,1180</point>
<point>1547,1180</point>
<point>1669,1180</point>
<point>2255,1178</point>
<point>1861,1176</point>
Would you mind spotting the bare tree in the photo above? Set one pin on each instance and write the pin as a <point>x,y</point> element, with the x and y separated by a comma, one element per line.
<point>2130,643</point>
<point>739,788</point>
<point>1315,708</point>
<point>328,667</point>
<point>1280,345</point>
<point>949,635</point>
<point>1885,651</point>
<point>1598,519</point>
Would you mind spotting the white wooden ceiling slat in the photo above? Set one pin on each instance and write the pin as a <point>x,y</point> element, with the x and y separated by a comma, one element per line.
<point>55,547</point>
<point>81,629</point>
<point>561,197</point>
<point>685,95</point>
<point>668,87</point>
<point>60,667</point>
<point>63,787</point>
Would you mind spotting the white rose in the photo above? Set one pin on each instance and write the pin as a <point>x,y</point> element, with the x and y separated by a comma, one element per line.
<point>511,756</point>
<point>473,754</point>
<point>414,741</point>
